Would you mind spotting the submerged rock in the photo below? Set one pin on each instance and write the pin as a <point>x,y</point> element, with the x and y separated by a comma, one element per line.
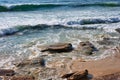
<point>78,75</point>
<point>109,41</point>
<point>31,63</point>
<point>6,72</point>
<point>59,47</point>
<point>86,48</point>
<point>118,30</point>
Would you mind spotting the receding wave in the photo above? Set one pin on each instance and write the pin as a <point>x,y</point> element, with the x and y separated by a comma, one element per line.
<point>94,21</point>
<point>29,7</point>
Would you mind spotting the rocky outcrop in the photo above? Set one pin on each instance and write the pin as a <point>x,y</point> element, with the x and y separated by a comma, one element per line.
<point>6,72</point>
<point>59,47</point>
<point>79,75</point>
<point>31,63</point>
<point>118,30</point>
<point>86,48</point>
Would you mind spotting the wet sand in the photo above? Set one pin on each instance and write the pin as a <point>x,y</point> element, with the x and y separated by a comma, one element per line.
<point>98,68</point>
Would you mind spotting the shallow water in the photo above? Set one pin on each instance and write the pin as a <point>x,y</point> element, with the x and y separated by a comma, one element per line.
<point>22,45</point>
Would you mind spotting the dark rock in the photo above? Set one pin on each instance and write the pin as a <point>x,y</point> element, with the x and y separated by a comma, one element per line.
<point>86,48</point>
<point>79,75</point>
<point>118,30</point>
<point>6,72</point>
<point>31,63</point>
<point>59,47</point>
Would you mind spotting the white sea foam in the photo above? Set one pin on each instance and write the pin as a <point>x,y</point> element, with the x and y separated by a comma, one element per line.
<point>7,63</point>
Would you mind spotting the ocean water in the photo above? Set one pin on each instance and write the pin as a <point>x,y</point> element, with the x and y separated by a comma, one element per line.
<point>25,24</point>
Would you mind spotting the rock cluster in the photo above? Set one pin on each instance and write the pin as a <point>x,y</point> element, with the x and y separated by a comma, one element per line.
<point>83,47</point>
<point>86,48</point>
<point>37,67</point>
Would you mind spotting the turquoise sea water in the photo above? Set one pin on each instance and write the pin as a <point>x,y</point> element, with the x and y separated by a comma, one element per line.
<point>25,24</point>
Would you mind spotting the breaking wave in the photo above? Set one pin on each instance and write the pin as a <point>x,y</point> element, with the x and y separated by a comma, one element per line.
<point>82,24</point>
<point>94,21</point>
<point>17,29</point>
<point>8,31</point>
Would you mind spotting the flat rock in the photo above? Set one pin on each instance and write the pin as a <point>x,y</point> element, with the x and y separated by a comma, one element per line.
<point>31,63</point>
<point>118,30</point>
<point>7,72</point>
<point>86,48</point>
<point>59,47</point>
<point>78,75</point>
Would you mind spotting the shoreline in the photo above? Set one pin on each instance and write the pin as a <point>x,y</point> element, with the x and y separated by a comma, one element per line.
<point>42,69</point>
<point>103,69</point>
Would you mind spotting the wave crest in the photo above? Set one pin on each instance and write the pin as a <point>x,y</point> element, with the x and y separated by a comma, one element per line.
<point>93,21</point>
<point>29,7</point>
